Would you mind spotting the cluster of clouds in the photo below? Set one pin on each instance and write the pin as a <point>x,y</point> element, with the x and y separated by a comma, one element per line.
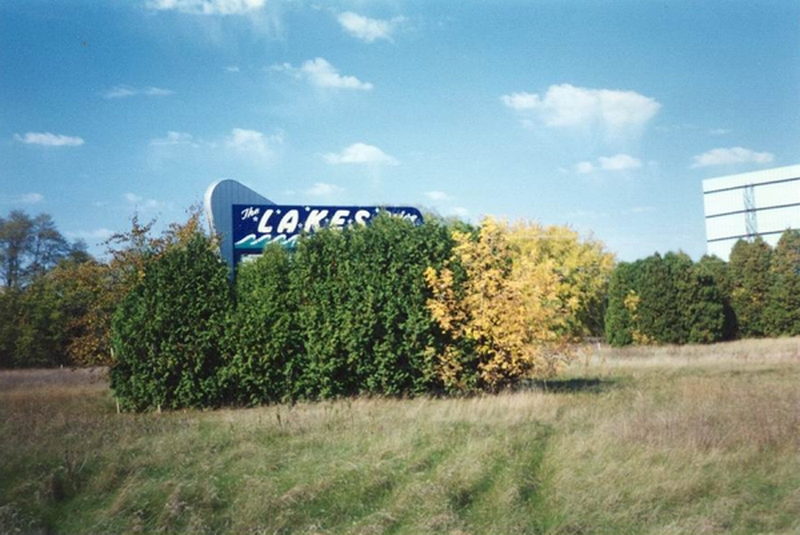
<point>48,139</point>
<point>367,29</point>
<point>618,162</point>
<point>731,156</point>
<point>242,141</point>
<point>359,26</point>
<point>320,73</point>
<point>360,153</point>
<point>611,114</point>
<point>616,113</point>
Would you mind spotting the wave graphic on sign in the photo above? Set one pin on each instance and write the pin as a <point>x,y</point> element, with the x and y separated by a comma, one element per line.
<point>253,241</point>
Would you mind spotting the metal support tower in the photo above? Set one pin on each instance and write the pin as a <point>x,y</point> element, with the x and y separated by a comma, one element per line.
<point>750,221</point>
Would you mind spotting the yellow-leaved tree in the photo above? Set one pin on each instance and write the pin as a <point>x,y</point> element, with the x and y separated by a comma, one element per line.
<point>583,268</point>
<point>519,297</point>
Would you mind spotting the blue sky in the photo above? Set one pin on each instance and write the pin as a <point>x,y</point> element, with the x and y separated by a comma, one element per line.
<point>604,115</point>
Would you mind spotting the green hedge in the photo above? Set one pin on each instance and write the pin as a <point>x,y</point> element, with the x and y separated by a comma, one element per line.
<point>169,330</point>
<point>671,299</point>
<point>665,300</point>
<point>343,314</point>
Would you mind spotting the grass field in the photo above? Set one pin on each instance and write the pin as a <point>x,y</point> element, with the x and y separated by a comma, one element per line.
<point>654,440</point>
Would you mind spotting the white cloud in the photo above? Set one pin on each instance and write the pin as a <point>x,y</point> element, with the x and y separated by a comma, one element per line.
<point>157,92</point>
<point>49,140</point>
<point>732,155</point>
<point>174,138</point>
<point>97,235</point>
<point>618,162</point>
<point>240,143</point>
<point>437,195</point>
<point>25,198</point>
<point>119,92</point>
<point>521,101</point>
<point>124,91</point>
<point>232,68</point>
<point>142,203</point>
<point>458,211</point>
<point>253,142</point>
<point>321,73</point>
<point>208,7</point>
<point>360,153</point>
<point>367,29</point>
<point>564,106</point>
<point>321,189</point>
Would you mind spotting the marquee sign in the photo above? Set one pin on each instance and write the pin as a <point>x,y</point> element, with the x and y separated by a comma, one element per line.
<point>246,221</point>
<point>255,226</point>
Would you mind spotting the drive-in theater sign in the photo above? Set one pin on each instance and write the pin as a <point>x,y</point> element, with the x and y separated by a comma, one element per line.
<point>246,221</point>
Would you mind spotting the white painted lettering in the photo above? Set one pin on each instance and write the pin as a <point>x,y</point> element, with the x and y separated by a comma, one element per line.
<point>263,227</point>
<point>339,218</point>
<point>362,216</point>
<point>314,220</point>
<point>288,224</point>
<point>249,212</point>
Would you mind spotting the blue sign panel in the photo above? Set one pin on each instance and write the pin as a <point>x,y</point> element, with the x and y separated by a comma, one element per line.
<point>256,225</point>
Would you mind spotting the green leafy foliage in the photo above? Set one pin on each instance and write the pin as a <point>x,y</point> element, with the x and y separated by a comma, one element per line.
<point>782,312</point>
<point>168,331</point>
<point>619,318</point>
<point>750,285</point>
<point>262,337</point>
<point>361,313</point>
<point>665,300</point>
<point>704,309</point>
<point>342,314</point>
<point>719,271</point>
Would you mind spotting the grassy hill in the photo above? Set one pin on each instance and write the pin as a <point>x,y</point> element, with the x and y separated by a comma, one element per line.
<point>664,440</point>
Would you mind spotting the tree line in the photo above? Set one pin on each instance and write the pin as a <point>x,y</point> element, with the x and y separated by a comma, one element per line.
<point>56,300</point>
<point>389,308</point>
<point>672,300</point>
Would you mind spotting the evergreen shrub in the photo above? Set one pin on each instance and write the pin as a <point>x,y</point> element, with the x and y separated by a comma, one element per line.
<point>168,331</point>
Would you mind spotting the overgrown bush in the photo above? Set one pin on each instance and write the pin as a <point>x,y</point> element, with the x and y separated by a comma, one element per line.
<point>665,300</point>
<point>362,314</point>
<point>782,312</point>
<point>262,335</point>
<point>168,331</point>
<point>515,296</point>
<point>342,314</point>
<point>751,279</point>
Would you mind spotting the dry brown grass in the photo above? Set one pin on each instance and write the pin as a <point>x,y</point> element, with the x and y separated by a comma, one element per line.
<point>744,352</point>
<point>67,378</point>
<point>705,440</point>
